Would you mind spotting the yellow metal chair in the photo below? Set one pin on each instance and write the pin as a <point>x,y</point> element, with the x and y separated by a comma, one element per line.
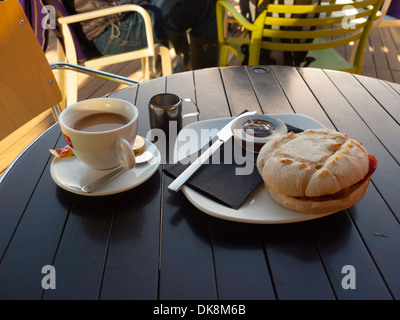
<point>336,25</point>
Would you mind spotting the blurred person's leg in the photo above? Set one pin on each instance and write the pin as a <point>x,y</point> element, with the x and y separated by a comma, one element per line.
<point>129,33</point>
<point>182,50</point>
<point>199,17</point>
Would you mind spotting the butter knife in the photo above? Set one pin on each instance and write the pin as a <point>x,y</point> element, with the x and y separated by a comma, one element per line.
<point>223,135</point>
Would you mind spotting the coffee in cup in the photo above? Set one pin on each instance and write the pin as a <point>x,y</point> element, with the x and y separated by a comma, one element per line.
<point>101,131</point>
<point>103,121</point>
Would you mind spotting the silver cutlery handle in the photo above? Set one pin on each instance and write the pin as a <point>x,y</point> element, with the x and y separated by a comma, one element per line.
<point>179,181</point>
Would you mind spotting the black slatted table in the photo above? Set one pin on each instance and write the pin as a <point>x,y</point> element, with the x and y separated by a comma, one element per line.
<point>146,243</point>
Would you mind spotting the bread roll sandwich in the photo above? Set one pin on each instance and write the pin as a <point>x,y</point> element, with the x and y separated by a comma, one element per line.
<point>316,171</point>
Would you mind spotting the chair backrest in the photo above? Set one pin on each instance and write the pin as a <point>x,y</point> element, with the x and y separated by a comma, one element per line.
<point>27,84</point>
<point>336,24</point>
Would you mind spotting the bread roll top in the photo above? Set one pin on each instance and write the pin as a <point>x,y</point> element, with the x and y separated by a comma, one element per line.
<point>312,163</point>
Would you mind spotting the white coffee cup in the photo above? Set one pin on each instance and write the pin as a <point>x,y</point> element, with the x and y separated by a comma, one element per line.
<point>101,149</point>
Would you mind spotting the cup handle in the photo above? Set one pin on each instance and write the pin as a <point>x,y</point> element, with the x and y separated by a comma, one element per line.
<point>193,113</point>
<point>125,153</point>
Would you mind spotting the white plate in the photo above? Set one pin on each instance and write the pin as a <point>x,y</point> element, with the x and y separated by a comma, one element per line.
<point>71,174</point>
<point>259,207</point>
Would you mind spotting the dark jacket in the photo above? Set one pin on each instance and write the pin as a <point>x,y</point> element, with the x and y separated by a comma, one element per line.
<point>35,14</point>
<point>95,27</point>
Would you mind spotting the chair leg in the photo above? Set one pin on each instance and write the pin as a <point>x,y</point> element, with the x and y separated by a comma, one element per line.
<point>146,69</point>
<point>56,110</point>
<point>165,59</point>
<point>353,52</point>
<point>60,75</point>
<point>72,88</point>
<point>204,51</point>
<point>223,56</point>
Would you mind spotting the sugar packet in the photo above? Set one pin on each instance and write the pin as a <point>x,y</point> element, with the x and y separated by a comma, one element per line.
<point>61,153</point>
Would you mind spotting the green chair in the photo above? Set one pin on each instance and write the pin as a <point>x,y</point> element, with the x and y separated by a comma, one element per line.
<point>285,28</point>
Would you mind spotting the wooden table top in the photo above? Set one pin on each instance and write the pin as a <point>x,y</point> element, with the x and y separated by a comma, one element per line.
<point>147,243</point>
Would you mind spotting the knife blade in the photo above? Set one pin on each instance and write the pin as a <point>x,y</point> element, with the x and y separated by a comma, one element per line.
<point>223,135</point>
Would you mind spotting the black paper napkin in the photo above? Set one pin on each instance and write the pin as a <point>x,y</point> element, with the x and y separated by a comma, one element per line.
<point>221,182</point>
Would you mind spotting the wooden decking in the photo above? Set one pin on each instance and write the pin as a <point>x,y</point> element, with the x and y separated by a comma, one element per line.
<point>382,61</point>
<point>382,58</point>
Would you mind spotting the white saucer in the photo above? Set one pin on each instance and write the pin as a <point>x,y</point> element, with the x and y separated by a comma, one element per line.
<point>71,174</point>
<point>259,207</point>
